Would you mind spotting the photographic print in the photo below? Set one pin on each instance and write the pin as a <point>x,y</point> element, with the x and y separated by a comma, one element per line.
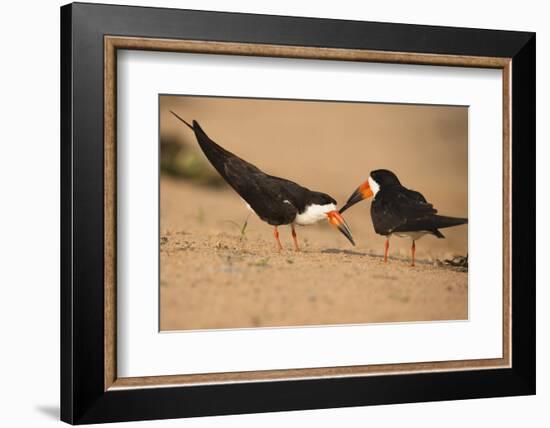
<point>278,213</point>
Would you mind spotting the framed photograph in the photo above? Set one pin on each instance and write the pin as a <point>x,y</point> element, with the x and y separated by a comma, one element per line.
<point>265,213</point>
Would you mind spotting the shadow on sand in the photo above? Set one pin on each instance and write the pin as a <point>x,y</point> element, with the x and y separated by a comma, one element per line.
<point>346,252</point>
<point>374,256</point>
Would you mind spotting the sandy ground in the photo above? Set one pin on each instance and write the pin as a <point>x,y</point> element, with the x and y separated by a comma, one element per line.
<point>212,276</point>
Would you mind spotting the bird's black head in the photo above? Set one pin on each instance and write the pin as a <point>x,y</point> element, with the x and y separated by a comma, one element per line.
<point>320,205</point>
<point>384,177</point>
<point>319,198</point>
<point>377,179</point>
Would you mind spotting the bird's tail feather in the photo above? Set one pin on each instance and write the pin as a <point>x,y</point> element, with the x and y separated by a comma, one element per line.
<point>444,221</point>
<point>216,154</point>
<point>183,120</point>
<point>438,234</point>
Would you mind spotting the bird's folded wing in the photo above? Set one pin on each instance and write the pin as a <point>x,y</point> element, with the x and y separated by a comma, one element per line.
<point>403,210</point>
<point>265,194</point>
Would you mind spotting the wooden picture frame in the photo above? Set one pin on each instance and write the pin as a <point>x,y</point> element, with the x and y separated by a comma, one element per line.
<point>91,390</point>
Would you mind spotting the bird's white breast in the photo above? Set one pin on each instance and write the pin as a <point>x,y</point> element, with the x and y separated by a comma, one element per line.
<point>313,213</point>
<point>416,235</point>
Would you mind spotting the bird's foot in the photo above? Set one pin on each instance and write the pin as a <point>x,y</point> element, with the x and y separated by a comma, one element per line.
<point>276,235</point>
<point>295,239</point>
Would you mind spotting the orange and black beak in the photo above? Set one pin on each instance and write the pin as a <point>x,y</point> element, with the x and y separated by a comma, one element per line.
<point>336,219</point>
<point>362,192</point>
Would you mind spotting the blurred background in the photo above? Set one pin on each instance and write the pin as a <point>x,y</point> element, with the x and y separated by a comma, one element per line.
<point>325,146</point>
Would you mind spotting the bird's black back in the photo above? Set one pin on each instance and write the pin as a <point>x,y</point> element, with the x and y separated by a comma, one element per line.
<point>275,200</point>
<point>398,209</point>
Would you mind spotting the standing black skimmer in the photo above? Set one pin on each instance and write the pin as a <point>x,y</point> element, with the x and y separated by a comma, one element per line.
<point>275,200</point>
<point>396,210</point>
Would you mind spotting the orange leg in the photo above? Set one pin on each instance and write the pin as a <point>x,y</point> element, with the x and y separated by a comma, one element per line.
<point>295,238</point>
<point>413,250</point>
<point>276,234</point>
<point>386,248</point>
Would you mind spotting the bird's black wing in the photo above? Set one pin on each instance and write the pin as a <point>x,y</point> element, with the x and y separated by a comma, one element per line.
<point>400,209</point>
<point>266,195</point>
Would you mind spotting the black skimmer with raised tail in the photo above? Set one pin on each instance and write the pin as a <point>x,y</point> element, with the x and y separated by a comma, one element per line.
<point>275,200</point>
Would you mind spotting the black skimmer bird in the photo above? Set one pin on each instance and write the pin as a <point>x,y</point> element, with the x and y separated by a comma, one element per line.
<point>275,200</point>
<point>396,210</point>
